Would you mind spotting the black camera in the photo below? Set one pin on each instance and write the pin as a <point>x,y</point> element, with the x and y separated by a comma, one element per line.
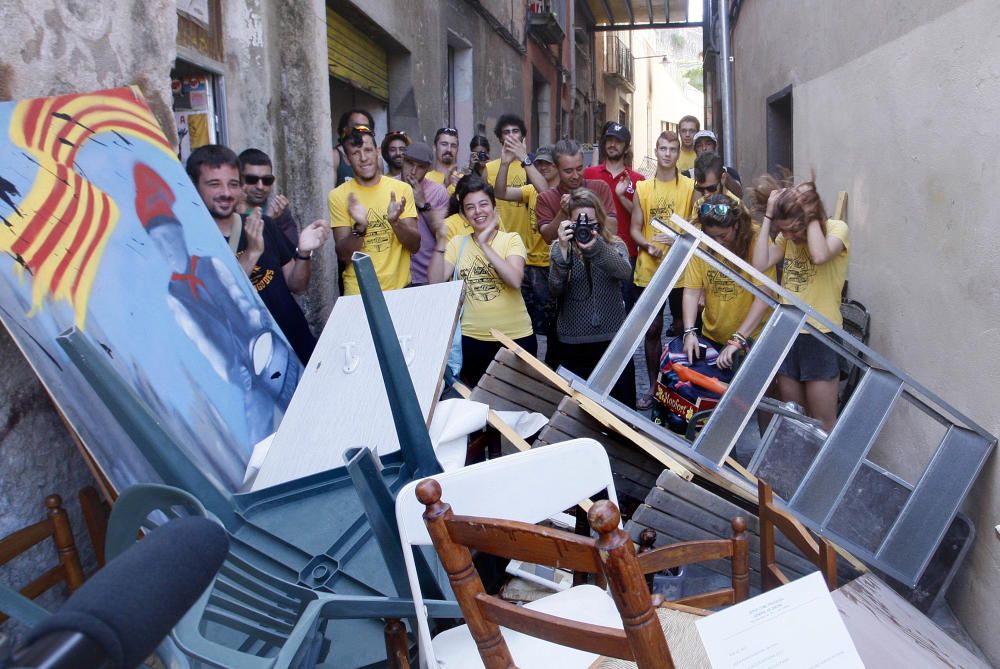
<point>583,230</point>
<point>482,156</point>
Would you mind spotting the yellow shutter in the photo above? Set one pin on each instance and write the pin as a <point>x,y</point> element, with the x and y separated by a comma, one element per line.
<point>355,58</point>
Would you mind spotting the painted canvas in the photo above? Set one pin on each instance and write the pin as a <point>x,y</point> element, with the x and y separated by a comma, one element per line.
<point>104,234</point>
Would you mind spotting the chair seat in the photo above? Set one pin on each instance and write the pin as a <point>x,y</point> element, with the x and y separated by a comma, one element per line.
<point>686,648</point>
<point>455,648</point>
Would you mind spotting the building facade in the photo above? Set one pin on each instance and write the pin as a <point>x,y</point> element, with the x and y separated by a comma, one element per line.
<point>898,108</point>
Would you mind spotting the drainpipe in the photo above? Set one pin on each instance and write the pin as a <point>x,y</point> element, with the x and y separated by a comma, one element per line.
<point>728,152</point>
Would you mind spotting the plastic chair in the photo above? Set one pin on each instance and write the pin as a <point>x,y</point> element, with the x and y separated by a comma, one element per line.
<point>528,487</point>
<point>820,552</point>
<point>248,618</point>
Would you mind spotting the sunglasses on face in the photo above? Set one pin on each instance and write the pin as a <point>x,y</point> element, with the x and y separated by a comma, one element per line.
<point>707,189</point>
<point>720,210</point>
<point>252,179</point>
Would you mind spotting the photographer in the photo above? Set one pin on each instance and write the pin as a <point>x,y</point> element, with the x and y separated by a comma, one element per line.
<point>479,155</point>
<point>587,267</point>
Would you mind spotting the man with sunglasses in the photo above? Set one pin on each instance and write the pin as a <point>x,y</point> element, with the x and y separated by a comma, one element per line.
<point>349,119</point>
<point>705,141</point>
<point>373,214</point>
<point>445,169</point>
<point>393,149</point>
<point>708,180</point>
<point>258,191</point>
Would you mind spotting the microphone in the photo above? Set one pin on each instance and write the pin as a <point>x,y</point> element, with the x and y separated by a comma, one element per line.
<point>121,614</point>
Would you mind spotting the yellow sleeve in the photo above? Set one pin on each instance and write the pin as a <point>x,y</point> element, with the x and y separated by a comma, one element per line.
<point>337,203</point>
<point>694,274</point>
<point>451,251</point>
<point>515,246</point>
<point>839,230</point>
<point>780,242</point>
<point>527,193</point>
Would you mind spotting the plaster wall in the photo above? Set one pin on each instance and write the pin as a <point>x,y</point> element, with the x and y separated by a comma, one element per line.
<point>897,106</point>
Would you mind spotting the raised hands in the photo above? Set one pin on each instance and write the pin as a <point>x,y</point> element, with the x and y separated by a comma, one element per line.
<point>396,207</point>
<point>358,214</point>
<point>276,206</point>
<point>313,236</point>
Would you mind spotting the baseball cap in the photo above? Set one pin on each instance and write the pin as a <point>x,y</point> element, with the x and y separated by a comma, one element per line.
<point>545,153</point>
<point>619,131</point>
<point>703,134</point>
<point>420,152</point>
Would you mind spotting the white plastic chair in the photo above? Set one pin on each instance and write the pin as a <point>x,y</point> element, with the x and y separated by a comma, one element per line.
<point>529,487</point>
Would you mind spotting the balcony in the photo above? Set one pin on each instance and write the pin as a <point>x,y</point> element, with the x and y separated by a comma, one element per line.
<point>543,22</point>
<point>619,67</point>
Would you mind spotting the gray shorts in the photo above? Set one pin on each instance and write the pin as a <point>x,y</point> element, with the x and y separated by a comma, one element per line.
<point>810,360</point>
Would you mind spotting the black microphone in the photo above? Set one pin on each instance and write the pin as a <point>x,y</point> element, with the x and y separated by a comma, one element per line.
<point>121,614</point>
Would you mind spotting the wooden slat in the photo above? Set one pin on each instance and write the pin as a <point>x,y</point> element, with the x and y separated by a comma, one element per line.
<point>525,542</point>
<point>14,544</point>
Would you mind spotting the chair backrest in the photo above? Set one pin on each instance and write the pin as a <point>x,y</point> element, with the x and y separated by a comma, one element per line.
<point>527,487</point>
<point>818,551</point>
<point>736,549</point>
<point>612,554</point>
<point>68,569</point>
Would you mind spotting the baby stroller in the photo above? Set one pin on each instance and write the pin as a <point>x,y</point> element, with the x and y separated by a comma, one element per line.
<point>684,390</point>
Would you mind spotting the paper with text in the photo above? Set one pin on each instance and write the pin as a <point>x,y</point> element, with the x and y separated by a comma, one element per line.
<point>796,625</point>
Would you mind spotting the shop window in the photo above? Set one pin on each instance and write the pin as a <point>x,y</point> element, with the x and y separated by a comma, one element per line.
<point>197,98</point>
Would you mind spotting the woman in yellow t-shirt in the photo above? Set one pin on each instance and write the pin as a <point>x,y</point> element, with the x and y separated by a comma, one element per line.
<point>491,262</point>
<point>732,315</point>
<point>814,250</point>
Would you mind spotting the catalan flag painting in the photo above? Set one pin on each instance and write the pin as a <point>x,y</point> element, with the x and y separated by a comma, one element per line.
<point>115,283</point>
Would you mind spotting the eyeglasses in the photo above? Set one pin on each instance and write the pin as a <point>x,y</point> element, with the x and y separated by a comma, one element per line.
<point>252,179</point>
<point>361,128</point>
<point>707,189</point>
<point>707,209</point>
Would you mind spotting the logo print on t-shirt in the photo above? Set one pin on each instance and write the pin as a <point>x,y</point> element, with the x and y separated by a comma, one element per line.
<point>378,239</point>
<point>797,273</point>
<point>481,282</point>
<point>721,285</point>
<point>663,210</point>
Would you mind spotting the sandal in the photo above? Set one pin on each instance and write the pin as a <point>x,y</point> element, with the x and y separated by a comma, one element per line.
<point>645,402</point>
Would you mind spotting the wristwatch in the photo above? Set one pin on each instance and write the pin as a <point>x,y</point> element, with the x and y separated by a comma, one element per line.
<point>527,162</point>
<point>426,206</point>
<point>302,257</point>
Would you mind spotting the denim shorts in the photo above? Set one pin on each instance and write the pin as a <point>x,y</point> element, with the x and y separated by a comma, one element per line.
<point>810,360</point>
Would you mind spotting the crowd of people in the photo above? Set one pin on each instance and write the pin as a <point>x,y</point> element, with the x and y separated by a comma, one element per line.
<point>546,247</point>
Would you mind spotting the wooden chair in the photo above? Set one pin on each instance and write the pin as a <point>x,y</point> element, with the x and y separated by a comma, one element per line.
<point>818,551</point>
<point>626,625</point>
<point>68,570</point>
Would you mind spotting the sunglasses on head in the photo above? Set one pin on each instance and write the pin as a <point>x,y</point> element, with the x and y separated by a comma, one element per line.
<point>252,179</point>
<point>707,209</point>
<point>447,131</point>
<point>707,189</point>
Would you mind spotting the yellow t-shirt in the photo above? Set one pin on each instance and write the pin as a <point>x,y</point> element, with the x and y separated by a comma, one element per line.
<point>819,286</point>
<point>438,177</point>
<point>659,199</point>
<point>458,226</point>
<point>489,301</point>
<point>686,160</point>
<point>538,248</point>
<point>390,258</point>
<point>726,302</point>
<point>517,216</point>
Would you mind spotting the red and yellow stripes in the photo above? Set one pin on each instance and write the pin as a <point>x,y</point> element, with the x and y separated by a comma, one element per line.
<point>63,224</point>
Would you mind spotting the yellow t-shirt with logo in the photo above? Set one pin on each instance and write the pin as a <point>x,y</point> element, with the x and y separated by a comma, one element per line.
<point>517,216</point>
<point>458,226</point>
<point>390,258</point>
<point>819,286</point>
<point>686,160</point>
<point>538,248</point>
<point>726,302</point>
<point>489,301</point>
<point>438,177</point>
<point>659,199</point>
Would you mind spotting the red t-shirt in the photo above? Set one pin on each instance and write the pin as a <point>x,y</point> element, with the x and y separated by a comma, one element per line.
<point>601,173</point>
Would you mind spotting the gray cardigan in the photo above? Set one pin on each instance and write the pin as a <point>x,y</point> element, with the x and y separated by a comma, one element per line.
<point>588,288</point>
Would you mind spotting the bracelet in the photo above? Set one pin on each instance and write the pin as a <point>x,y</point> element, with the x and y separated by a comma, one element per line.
<point>302,257</point>
<point>688,331</point>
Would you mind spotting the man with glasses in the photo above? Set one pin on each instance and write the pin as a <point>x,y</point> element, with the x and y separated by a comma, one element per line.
<point>445,169</point>
<point>373,214</point>
<point>709,179</point>
<point>258,191</point>
<point>393,148</point>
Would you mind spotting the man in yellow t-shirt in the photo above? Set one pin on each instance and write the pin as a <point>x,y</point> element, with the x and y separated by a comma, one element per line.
<point>373,214</point>
<point>445,170</point>
<point>687,128</point>
<point>667,193</point>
